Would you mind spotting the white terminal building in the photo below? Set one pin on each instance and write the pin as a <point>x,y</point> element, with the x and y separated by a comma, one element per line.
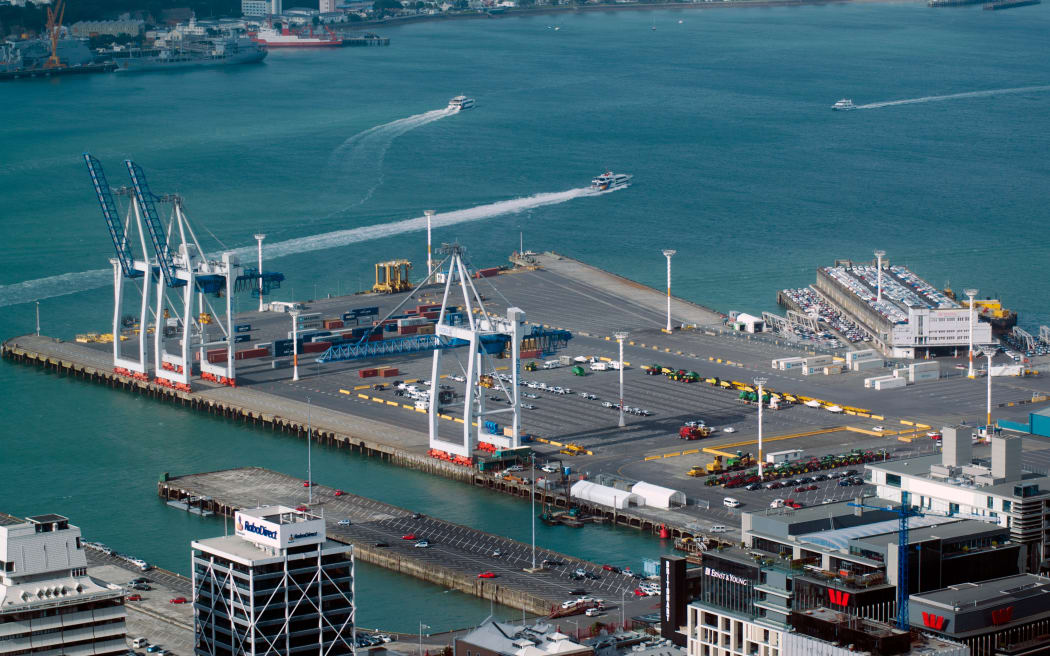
<point>906,316</point>
<point>276,587</point>
<point>49,606</point>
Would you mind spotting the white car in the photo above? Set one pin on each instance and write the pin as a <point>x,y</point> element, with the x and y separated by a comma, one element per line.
<point>550,469</point>
<point>343,522</point>
<point>728,429</point>
<point>718,528</point>
<point>591,612</point>
<point>607,404</point>
<point>879,429</point>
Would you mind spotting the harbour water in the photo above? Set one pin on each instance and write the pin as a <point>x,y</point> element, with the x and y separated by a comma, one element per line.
<point>723,119</point>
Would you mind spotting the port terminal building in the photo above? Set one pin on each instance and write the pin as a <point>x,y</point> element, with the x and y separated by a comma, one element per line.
<point>906,316</point>
<point>278,586</point>
<point>48,603</point>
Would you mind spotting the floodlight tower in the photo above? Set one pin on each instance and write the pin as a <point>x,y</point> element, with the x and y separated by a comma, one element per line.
<point>878,256</point>
<point>620,337</point>
<point>761,383</point>
<point>669,253</point>
<point>430,216</point>
<point>259,238</point>
<point>989,352</point>
<point>485,336</point>
<point>971,293</point>
<point>125,268</point>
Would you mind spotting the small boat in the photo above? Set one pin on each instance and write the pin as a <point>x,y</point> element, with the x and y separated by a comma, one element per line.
<point>844,105</point>
<point>460,102</point>
<point>608,181</point>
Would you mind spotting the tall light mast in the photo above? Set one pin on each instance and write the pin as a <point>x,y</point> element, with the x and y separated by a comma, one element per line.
<point>761,383</point>
<point>620,337</point>
<point>878,256</point>
<point>259,238</point>
<point>669,253</point>
<point>430,216</point>
<point>971,293</point>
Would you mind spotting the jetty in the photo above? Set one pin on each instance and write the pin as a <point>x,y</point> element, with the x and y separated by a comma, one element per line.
<point>387,536</point>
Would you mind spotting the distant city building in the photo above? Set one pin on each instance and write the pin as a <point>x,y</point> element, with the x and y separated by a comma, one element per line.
<point>111,28</point>
<point>278,586</point>
<point>255,8</point>
<point>327,6</point>
<point>505,639</point>
<point>48,603</point>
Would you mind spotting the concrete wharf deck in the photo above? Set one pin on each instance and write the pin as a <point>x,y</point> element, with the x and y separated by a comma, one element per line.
<point>563,293</point>
<point>455,558</point>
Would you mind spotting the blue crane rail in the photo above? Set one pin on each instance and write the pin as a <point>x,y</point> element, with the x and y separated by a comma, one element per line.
<point>156,232</point>
<point>398,345</point>
<point>109,211</point>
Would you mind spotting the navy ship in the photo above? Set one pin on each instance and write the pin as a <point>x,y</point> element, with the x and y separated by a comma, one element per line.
<point>195,54</point>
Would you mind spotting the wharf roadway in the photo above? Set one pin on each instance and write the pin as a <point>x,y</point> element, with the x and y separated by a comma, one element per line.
<point>377,532</point>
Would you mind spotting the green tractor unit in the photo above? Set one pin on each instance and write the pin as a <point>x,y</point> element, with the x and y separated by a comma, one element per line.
<point>579,371</point>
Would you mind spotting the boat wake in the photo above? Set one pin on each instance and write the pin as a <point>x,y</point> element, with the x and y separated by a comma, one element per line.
<point>953,96</point>
<point>71,283</point>
<point>367,149</point>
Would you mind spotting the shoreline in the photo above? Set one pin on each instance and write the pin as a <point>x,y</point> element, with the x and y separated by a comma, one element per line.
<point>516,12</point>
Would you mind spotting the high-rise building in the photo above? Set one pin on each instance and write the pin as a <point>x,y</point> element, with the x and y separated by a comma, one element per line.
<point>48,603</point>
<point>278,586</point>
<point>327,6</point>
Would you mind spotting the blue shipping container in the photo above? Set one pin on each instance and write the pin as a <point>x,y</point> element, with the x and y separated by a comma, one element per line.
<point>237,339</point>
<point>242,328</point>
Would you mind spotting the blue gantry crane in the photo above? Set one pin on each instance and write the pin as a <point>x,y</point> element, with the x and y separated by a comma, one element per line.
<point>904,513</point>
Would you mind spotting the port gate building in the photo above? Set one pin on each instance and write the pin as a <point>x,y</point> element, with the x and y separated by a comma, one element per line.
<point>278,586</point>
<point>912,319</point>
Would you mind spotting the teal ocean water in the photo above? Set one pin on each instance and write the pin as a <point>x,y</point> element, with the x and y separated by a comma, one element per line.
<point>723,118</point>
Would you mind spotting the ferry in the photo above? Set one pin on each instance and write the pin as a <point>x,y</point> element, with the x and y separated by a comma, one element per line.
<point>844,105</point>
<point>459,103</point>
<point>608,181</point>
<point>286,38</point>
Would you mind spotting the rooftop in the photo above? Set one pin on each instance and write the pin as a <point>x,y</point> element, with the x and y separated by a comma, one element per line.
<point>949,530</point>
<point>248,553</point>
<point>920,468</point>
<point>535,640</point>
<point>995,591</point>
<point>840,538</point>
<point>48,518</point>
<point>279,514</point>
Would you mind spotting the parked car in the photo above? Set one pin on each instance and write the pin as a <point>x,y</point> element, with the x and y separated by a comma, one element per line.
<point>339,493</point>
<point>728,429</point>
<point>423,544</point>
<point>718,528</point>
<point>134,597</point>
<point>343,522</point>
<point>177,600</point>
<point>380,545</point>
<point>591,612</point>
<point>730,502</point>
<point>486,575</point>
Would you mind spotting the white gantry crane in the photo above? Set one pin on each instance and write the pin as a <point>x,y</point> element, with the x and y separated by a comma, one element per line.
<point>182,271</point>
<point>485,336</point>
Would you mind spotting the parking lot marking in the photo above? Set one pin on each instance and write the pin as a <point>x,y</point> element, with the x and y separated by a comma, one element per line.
<point>377,400</point>
<point>361,387</point>
<point>393,403</point>
<point>363,396</point>
<point>343,391</point>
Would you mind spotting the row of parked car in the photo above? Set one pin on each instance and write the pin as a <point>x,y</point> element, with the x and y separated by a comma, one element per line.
<point>373,639</point>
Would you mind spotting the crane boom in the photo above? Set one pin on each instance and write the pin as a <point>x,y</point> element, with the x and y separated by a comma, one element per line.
<point>109,212</point>
<point>156,232</point>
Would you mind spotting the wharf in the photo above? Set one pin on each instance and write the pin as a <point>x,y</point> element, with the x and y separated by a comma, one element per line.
<point>455,558</point>
<point>29,73</point>
<point>559,292</point>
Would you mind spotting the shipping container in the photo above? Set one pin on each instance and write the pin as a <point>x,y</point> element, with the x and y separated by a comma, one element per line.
<point>388,373</point>
<point>891,382</point>
<point>427,329</point>
<point>367,373</point>
<point>486,273</point>
<point>242,328</point>
<point>316,347</point>
<point>237,339</point>
<point>408,330</point>
<point>331,324</point>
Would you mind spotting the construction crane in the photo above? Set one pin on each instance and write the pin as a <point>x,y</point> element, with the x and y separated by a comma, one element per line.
<point>54,29</point>
<point>904,513</point>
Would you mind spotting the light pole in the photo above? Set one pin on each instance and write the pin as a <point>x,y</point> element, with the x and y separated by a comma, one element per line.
<point>761,382</point>
<point>878,295</point>
<point>309,462</point>
<point>990,353</point>
<point>533,511</point>
<point>620,337</point>
<point>971,294</point>
<point>116,337</point>
<point>669,253</point>
<point>259,238</point>
<point>430,215</point>
<point>623,611</point>
<point>421,627</point>
<point>295,345</point>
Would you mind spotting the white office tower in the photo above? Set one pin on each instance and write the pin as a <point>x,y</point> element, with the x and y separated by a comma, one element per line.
<point>278,587</point>
<point>49,606</point>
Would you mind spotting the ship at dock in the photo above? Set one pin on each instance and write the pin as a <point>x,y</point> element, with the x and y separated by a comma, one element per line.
<point>1010,4</point>
<point>193,54</point>
<point>285,37</point>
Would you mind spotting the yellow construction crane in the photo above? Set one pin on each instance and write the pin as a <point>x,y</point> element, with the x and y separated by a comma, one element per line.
<point>54,27</point>
<point>392,277</point>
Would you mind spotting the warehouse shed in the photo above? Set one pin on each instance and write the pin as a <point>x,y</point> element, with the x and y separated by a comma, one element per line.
<point>658,497</point>
<point>604,495</point>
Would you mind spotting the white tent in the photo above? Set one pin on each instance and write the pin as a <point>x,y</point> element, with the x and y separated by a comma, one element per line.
<point>604,495</point>
<point>658,497</point>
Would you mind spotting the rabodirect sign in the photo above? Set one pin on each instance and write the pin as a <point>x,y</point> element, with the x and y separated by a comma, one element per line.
<point>273,534</point>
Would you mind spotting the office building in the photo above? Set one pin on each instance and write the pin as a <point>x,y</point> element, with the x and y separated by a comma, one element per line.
<point>990,617</point>
<point>276,587</point>
<point>49,606</point>
<point>258,8</point>
<point>996,489</point>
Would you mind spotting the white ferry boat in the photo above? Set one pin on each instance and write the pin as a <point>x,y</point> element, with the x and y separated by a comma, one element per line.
<point>608,181</point>
<point>460,102</point>
<point>844,105</point>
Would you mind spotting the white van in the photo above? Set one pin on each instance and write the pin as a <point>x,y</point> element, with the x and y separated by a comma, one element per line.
<point>599,366</point>
<point>776,503</point>
<point>730,502</point>
<point>552,364</point>
<point>139,642</point>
